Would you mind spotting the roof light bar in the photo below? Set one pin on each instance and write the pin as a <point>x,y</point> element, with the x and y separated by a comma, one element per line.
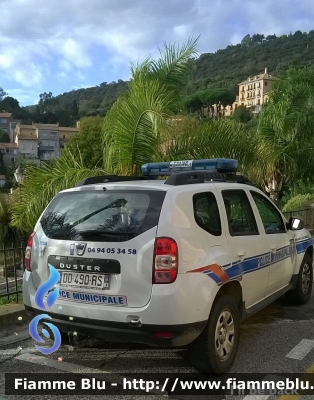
<point>222,165</point>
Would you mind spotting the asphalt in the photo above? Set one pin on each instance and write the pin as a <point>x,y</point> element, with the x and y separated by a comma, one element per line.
<point>13,324</point>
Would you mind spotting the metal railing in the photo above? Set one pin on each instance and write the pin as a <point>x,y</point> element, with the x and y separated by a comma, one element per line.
<point>11,272</point>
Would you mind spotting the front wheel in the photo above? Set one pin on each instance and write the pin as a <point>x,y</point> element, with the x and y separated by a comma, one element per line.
<point>215,349</point>
<point>302,292</point>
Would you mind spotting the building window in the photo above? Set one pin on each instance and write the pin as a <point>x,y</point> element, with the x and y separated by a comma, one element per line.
<point>3,121</point>
<point>32,147</point>
<point>23,146</point>
<point>53,134</point>
<point>258,102</point>
<point>265,83</point>
<point>44,134</point>
<point>63,136</point>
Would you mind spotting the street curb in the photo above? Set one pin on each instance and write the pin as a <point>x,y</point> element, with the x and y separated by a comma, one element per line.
<point>15,337</point>
<point>10,313</point>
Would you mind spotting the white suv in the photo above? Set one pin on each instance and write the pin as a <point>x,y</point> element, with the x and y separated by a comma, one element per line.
<point>175,262</point>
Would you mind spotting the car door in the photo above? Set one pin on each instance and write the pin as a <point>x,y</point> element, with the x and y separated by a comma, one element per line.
<point>249,248</point>
<point>278,239</point>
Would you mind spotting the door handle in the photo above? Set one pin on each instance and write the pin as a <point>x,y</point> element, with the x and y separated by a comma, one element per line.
<point>241,254</point>
<point>273,248</point>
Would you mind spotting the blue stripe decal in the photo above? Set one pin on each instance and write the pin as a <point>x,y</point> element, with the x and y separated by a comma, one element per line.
<point>237,269</point>
<point>303,245</point>
<point>213,276</point>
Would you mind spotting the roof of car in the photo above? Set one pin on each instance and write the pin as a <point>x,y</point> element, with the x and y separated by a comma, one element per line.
<point>156,184</point>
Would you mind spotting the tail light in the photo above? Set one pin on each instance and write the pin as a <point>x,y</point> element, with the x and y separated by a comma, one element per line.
<point>165,261</point>
<point>28,252</point>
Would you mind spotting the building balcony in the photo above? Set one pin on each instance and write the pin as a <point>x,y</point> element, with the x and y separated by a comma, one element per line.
<point>47,148</point>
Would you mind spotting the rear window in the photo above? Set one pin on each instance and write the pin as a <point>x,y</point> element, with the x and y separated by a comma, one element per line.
<point>102,216</point>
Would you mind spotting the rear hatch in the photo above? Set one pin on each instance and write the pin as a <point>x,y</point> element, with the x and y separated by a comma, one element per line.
<point>101,240</point>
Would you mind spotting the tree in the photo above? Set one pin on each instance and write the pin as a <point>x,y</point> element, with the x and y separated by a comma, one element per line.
<point>9,104</point>
<point>193,104</point>
<point>286,124</point>
<point>87,144</point>
<point>271,37</point>
<point>2,94</point>
<point>75,109</point>
<point>9,235</point>
<point>242,114</point>
<point>257,38</point>
<point>132,126</point>
<point>42,183</point>
<point>4,137</point>
<point>47,103</point>
<point>215,96</point>
<point>246,41</point>
<point>221,138</point>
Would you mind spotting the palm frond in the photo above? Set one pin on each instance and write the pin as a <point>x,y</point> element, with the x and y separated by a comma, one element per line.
<point>41,184</point>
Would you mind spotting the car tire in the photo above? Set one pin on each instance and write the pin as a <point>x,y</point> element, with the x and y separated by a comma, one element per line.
<point>208,354</point>
<point>302,292</point>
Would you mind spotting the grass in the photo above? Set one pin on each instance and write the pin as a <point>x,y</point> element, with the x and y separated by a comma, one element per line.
<point>12,297</point>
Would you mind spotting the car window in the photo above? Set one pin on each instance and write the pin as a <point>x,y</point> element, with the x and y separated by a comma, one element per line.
<point>206,212</point>
<point>104,216</point>
<point>271,218</point>
<point>240,215</point>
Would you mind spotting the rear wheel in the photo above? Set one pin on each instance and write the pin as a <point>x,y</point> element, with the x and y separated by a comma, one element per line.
<point>215,349</point>
<point>302,292</point>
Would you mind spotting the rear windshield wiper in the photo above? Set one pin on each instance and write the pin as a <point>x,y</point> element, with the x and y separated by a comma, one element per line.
<point>91,232</point>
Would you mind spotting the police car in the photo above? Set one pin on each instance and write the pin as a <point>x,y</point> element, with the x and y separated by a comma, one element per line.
<point>177,261</point>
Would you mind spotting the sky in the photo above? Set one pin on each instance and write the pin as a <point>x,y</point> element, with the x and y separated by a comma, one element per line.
<point>58,46</point>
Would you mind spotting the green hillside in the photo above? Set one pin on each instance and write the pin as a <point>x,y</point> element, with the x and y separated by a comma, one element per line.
<point>226,68</point>
<point>223,69</point>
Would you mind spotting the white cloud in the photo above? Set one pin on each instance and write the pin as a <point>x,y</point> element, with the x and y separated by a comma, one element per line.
<point>46,42</point>
<point>24,96</point>
<point>65,65</point>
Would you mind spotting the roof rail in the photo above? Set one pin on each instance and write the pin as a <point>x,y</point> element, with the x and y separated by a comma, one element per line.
<point>193,177</point>
<point>111,178</point>
<point>182,172</point>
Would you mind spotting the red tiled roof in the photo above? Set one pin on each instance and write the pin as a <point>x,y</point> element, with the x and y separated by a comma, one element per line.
<point>67,128</point>
<point>27,127</point>
<point>8,146</point>
<point>27,137</point>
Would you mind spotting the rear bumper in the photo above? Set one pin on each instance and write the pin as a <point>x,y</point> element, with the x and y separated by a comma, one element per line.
<point>124,332</point>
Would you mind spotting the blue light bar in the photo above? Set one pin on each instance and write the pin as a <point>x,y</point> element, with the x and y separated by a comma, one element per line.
<point>222,165</point>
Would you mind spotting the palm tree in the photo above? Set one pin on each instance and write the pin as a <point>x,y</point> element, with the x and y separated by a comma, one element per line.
<point>286,125</point>
<point>42,183</point>
<point>131,134</point>
<point>133,126</point>
<point>222,138</point>
<point>9,236</point>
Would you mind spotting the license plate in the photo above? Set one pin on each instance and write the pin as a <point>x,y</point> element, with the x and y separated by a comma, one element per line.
<point>85,281</point>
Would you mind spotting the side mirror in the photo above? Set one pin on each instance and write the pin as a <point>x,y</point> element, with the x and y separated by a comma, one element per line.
<point>295,224</point>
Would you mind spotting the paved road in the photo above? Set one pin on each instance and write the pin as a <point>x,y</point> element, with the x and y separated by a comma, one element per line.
<point>278,340</point>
